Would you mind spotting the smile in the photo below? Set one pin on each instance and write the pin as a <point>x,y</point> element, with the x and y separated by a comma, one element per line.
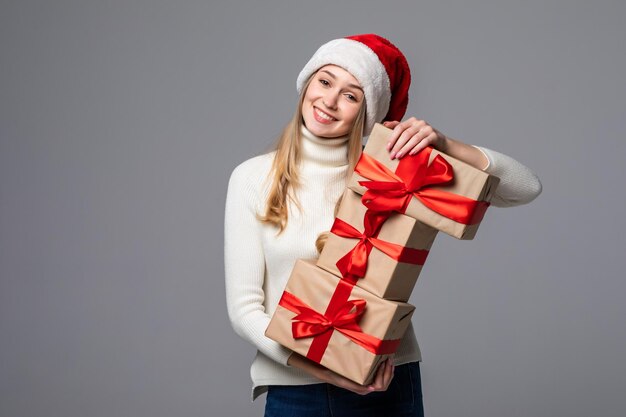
<point>322,117</point>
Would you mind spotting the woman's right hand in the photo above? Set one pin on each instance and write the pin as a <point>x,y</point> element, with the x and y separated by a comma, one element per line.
<point>382,379</point>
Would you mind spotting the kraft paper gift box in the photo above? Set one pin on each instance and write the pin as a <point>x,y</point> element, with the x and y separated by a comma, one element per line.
<point>432,187</point>
<point>342,327</point>
<point>399,245</point>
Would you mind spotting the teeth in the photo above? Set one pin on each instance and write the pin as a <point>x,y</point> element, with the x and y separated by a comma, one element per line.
<point>324,115</point>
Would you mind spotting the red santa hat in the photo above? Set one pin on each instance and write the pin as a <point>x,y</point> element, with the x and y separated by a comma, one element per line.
<point>378,65</point>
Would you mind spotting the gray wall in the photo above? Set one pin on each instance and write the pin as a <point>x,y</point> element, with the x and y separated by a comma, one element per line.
<point>120,122</point>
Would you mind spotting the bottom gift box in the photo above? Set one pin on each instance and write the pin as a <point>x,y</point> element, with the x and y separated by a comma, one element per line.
<point>342,327</point>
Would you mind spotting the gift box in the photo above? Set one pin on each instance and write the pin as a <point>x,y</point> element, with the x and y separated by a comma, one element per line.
<point>340,326</point>
<point>382,252</point>
<point>432,187</point>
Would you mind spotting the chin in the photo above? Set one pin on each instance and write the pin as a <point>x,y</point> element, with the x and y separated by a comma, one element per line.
<point>322,131</point>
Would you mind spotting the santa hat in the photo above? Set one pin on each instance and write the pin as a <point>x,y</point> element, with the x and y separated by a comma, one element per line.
<point>378,65</point>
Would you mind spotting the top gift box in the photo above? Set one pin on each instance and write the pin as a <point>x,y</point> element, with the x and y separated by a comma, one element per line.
<point>432,187</point>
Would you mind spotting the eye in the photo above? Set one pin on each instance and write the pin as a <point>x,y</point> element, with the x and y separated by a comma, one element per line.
<point>324,82</point>
<point>351,97</point>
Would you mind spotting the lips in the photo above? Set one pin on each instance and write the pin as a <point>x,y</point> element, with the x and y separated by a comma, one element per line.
<point>322,117</point>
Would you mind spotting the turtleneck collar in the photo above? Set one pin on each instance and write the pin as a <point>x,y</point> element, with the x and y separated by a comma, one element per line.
<point>330,152</point>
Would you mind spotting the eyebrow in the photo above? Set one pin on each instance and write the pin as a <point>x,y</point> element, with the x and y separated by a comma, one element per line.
<point>334,77</point>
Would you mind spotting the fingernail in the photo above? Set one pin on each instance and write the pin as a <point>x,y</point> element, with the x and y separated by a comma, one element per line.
<point>392,155</point>
<point>399,155</point>
<point>388,145</point>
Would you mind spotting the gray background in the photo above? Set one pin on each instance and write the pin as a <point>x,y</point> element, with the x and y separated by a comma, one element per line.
<point>120,122</point>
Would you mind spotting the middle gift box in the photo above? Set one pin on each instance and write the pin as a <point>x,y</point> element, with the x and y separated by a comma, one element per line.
<point>382,253</point>
<point>340,326</point>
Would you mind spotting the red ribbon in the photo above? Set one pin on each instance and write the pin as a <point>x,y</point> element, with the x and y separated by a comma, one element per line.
<point>387,190</point>
<point>354,263</point>
<point>343,318</point>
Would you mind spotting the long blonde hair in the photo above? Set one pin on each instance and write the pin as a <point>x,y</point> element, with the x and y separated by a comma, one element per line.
<point>285,167</point>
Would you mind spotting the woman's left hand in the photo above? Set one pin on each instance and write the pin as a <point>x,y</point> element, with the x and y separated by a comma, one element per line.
<point>411,136</point>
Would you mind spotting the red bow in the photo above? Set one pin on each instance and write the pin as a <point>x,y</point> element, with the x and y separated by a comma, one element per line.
<point>387,190</point>
<point>344,318</point>
<point>354,263</point>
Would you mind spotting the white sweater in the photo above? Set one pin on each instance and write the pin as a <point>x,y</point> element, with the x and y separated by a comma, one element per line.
<point>258,263</point>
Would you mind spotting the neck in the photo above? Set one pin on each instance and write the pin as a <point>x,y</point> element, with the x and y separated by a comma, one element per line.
<point>324,151</point>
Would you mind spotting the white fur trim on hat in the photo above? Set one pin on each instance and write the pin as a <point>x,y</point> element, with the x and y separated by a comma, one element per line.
<point>360,61</point>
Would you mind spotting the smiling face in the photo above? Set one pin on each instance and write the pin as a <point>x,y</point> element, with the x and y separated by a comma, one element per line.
<point>331,102</point>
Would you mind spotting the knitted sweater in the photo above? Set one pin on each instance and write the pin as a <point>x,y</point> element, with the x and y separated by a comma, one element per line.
<point>258,263</point>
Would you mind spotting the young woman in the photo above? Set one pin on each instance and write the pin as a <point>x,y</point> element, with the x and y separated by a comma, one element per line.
<point>279,205</point>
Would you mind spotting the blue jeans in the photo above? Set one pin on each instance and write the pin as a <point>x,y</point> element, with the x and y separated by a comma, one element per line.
<point>402,398</point>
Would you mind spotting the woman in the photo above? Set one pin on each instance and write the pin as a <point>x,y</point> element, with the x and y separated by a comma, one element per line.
<point>279,204</point>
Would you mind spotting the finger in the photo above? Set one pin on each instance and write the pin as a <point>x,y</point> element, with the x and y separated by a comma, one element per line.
<point>427,141</point>
<point>345,383</point>
<point>390,124</point>
<point>397,131</point>
<point>403,139</point>
<point>411,123</point>
<point>426,134</point>
<point>386,370</point>
<point>358,389</point>
<point>410,145</point>
<point>388,374</point>
<point>380,376</point>
<point>377,381</point>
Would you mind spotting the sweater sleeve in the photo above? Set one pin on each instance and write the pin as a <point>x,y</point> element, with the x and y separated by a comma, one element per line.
<point>244,264</point>
<point>518,184</point>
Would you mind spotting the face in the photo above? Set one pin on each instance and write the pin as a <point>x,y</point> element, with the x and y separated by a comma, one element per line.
<point>331,102</point>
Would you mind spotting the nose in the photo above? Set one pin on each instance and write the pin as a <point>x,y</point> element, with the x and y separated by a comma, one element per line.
<point>330,100</point>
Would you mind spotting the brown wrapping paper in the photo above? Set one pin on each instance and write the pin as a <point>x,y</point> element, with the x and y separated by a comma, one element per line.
<point>383,319</point>
<point>385,277</point>
<point>468,181</point>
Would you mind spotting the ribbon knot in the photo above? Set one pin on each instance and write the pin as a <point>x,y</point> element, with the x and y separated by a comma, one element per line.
<point>414,175</point>
<point>353,265</point>
<point>344,316</point>
<point>311,323</point>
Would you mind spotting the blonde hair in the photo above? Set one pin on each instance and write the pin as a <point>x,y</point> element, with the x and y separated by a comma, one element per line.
<point>285,167</point>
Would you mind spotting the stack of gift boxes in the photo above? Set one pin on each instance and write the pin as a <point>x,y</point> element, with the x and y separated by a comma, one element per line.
<point>348,310</point>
